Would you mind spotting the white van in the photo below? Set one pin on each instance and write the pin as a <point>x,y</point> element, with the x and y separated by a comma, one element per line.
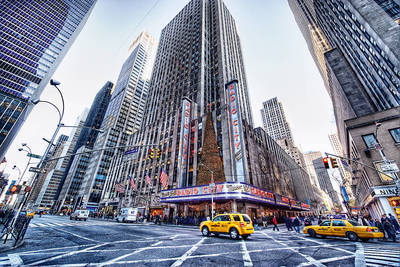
<point>127,215</point>
<point>79,215</point>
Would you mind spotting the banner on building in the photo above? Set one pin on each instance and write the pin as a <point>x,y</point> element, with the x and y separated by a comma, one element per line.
<point>184,143</point>
<point>236,130</point>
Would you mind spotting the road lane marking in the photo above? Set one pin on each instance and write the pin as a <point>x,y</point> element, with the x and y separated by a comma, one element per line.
<point>82,237</point>
<point>360,259</point>
<point>188,253</point>
<point>322,243</point>
<point>67,254</point>
<point>50,249</point>
<point>246,256</point>
<point>127,255</point>
<point>307,257</point>
<point>15,260</point>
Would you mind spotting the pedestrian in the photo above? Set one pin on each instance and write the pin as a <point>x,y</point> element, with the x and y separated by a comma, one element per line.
<point>307,221</point>
<point>380,227</point>
<point>390,229</point>
<point>275,222</point>
<point>296,223</point>
<point>255,223</point>
<point>288,223</point>
<point>364,221</point>
<point>395,223</point>
<point>383,218</point>
<point>319,220</point>
<point>264,221</point>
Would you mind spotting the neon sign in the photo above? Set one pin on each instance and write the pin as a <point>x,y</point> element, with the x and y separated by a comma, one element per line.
<point>184,143</point>
<point>236,131</point>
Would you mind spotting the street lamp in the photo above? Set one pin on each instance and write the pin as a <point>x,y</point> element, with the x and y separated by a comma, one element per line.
<point>212,185</point>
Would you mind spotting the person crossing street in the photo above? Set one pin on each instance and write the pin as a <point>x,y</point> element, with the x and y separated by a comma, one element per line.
<point>275,222</point>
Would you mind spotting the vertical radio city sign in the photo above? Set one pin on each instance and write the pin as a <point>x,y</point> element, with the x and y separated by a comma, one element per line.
<point>184,143</point>
<point>235,129</point>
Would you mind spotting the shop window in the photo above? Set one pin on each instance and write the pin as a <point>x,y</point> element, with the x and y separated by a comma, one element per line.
<point>395,133</point>
<point>369,140</point>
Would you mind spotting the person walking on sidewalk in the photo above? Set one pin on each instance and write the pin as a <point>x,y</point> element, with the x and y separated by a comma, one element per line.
<point>275,222</point>
<point>296,223</point>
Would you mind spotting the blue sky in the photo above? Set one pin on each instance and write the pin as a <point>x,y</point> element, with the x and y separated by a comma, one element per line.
<point>277,63</point>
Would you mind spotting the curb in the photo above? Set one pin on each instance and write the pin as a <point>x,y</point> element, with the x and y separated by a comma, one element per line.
<point>11,248</point>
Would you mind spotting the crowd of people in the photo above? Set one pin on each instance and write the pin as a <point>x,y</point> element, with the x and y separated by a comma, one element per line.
<point>387,225</point>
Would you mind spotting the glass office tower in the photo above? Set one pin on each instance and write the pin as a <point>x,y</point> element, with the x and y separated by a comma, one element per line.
<point>34,37</point>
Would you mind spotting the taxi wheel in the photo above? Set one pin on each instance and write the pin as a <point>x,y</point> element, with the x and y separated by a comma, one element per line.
<point>311,233</point>
<point>205,231</point>
<point>352,236</point>
<point>233,233</point>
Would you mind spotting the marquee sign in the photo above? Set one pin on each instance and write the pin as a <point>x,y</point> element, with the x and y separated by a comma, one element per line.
<point>236,130</point>
<point>305,206</point>
<point>282,200</point>
<point>225,190</point>
<point>184,143</point>
<point>295,204</point>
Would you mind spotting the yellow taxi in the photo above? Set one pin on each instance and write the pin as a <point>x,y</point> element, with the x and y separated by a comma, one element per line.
<point>344,228</point>
<point>234,225</point>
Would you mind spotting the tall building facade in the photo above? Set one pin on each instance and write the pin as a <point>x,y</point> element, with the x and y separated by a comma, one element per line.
<point>52,181</point>
<point>77,165</point>
<point>198,121</point>
<point>34,38</point>
<point>55,151</point>
<point>123,116</point>
<point>274,120</point>
<point>362,67</point>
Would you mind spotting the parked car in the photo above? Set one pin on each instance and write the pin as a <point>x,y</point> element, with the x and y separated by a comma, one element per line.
<point>127,215</point>
<point>344,228</point>
<point>235,225</point>
<point>79,215</point>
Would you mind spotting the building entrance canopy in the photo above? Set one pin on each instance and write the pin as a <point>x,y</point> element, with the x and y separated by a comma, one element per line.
<point>229,191</point>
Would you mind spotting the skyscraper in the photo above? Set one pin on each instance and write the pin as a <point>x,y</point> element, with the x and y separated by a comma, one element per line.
<point>363,55</point>
<point>77,165</point>
<point>198,125</point>
<point>34,38</point>
<point>123,116</point>
<point>53,179</point>
<point>274,120</point>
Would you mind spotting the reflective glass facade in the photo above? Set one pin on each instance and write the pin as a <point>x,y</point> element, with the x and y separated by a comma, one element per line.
<point>34,37</point>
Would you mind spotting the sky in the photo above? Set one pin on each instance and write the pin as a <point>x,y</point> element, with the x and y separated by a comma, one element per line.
<point>276,57</point>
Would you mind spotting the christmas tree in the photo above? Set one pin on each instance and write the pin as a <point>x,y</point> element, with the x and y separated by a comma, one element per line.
<point>210,157</point>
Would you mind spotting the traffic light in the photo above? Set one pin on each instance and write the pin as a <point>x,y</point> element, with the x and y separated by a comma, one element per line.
<point>334,163</point>
<point>395,203</point>
<point>158,153</point>
<point>326,162</point>
<point>13,189</point>
<point>151,152</point>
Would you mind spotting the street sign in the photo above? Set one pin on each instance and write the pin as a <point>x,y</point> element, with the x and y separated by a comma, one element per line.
<point>390,167</point>
<point>34,156</point>
<point>131,154</point>
<point>37,170</point>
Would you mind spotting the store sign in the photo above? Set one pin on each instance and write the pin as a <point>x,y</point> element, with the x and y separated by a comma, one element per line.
<point>184,143</point>
<point>236,130</point>
<point>385,191</point>
<point>221,191</point>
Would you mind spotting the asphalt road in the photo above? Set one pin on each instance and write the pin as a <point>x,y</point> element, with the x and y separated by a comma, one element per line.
<point>54,240</point>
